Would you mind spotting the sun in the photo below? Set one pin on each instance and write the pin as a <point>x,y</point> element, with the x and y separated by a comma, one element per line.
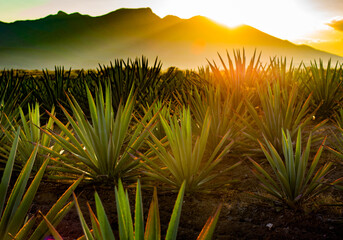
<point>284,19</point>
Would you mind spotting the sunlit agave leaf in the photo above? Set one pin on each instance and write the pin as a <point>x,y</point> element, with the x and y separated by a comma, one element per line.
<point>95,224</point>
<point>175,218</point>
<point>104,225</point>
<point>55,234</point>
<point>153,226</point>
<point>208,230</point>
<point>139,218</point>
<point>13,214</point>
<point>124,213</point>
<point>57,211</point>
<point>85,228</point>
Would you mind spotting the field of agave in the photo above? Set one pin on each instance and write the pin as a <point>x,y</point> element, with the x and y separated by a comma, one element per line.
<point>134,128</point>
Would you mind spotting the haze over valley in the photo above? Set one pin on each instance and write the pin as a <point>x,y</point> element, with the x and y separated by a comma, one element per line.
<point>81,41</point>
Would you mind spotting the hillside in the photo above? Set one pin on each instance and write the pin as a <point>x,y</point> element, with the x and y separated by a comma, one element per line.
<point>82,41</point>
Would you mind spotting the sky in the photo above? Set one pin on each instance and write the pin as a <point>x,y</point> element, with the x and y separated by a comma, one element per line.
<point>318,23</point>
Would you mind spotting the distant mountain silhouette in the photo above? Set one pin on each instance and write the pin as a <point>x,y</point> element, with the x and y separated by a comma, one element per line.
<point>82,41</point>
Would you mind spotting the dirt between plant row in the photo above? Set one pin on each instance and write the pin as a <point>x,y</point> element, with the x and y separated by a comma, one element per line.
<point>242,216</point>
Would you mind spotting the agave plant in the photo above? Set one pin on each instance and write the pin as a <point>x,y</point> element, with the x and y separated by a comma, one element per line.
<point>158,108</point>
<point>49,90</point>
<point>102,148</point>
<point>326,86</point>
<point>238,77</point>
<point>223,114</point>
<point>279,109</point>
<point>335,145</point>
<point>101,228</point>
<point>10,98</point>
<point>295,179</point>
<point>286,74</point>
<point>14,222</point>
<point>339,117</point>
<point>31,134</point>
<point>181,158</point>
<point>148,81</point>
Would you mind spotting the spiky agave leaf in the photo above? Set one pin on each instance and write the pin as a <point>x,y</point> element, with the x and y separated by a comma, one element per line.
<point>182,159</point>
<point>104,146</point>
<point>13,213</point>
<point>325,84</point>
<point>152,229</point>
<point>296,178</point>
<point>31,134</point>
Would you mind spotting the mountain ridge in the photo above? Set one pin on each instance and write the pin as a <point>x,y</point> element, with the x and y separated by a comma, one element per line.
<point>86,41</point>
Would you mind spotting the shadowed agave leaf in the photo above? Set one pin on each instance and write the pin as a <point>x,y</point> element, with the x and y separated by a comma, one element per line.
<point>52,87</point>
<point>136,75</point>
<point>14,223</point>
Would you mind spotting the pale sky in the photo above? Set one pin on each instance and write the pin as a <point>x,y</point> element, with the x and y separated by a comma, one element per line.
<point>318,23</point>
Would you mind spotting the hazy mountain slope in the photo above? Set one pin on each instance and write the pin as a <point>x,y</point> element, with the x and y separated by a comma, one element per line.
<point>82,41</point>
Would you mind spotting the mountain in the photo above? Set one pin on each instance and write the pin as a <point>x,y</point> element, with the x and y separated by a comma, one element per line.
<point>82,41</point>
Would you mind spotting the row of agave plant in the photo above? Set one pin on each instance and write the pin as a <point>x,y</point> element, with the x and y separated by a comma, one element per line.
<point>14,224</point>
<point>131,121</point>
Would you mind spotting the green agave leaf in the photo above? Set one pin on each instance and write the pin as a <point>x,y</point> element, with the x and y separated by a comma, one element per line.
<point>52,229</point>
<point>180,158</point>
<point>296,180</point>
<point>105,227</point>
<point>15,197</point>
<point>95,223</point>
<point>139,219</point>
<point>153,227</point>
<point>208,230</point>
<point>6,177</point>
<point>175,218</point>
<point>55,211</point>
<point>86,231</point>
<point>124,213</point>
<point>25,230</point>
<point>25,204</point>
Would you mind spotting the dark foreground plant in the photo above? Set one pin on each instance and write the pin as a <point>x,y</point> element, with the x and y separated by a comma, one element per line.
<point>49,89</point>
<point>14,222</point>
<point>101,228</point>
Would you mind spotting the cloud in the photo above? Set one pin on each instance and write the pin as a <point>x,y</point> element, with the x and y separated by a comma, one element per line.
<point>331,5</point>
<point>336,23</point>
<point>325,8</point>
